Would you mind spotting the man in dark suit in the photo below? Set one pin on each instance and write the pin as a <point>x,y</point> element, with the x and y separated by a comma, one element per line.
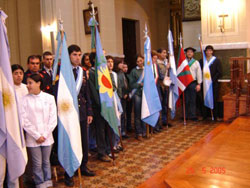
<point>216,72</point>
<point>85,110</point>
<point>33,62</point>
<point>47,72</point>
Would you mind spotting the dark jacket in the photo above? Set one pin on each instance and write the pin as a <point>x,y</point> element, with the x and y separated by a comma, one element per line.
<point>47,82</point>
<point>133,78</point>
<point>84,102</point>
<point>123,84</point>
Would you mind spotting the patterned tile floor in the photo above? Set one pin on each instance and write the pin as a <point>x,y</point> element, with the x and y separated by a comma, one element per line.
<point>141,160</point>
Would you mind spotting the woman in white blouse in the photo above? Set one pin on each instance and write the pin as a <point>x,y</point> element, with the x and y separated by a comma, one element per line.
<point>39,118</point>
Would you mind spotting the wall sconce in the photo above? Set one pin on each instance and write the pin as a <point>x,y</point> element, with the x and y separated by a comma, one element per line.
<point>48,32</point>
<point>222,22</point>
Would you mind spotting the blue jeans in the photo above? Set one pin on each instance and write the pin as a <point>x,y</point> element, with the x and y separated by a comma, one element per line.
<point>40,157</point>
<point>140,127</point>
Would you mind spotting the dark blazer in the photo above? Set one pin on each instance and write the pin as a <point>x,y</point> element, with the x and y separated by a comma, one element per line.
<point>47,82</point>
<point>84,102</point>
<point>123,89</point>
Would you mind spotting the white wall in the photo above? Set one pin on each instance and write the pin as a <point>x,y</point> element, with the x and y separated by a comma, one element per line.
<point>191,30</point>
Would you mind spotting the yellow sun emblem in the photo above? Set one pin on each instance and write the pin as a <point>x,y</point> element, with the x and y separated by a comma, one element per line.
<point>207,75</point>
<point>148,63</point>
<point>105,82</point>
<point>7,99</point>
<point>64,106</point>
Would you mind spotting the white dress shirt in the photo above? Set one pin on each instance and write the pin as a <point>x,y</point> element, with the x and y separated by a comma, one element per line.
<point>21,91</point>
<point>39,118</point>
<point>195,70</point>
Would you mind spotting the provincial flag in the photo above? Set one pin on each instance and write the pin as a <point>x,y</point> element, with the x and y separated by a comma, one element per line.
<point>105,87</point>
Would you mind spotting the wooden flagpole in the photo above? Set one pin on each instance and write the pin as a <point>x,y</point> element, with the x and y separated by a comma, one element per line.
<point>147,126</point>
<point>81,184</point>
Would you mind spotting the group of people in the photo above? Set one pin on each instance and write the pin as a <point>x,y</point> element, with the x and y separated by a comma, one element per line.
<point>37,92</point>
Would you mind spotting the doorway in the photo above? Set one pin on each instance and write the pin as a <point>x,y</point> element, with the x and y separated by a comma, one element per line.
<point>130,30</point>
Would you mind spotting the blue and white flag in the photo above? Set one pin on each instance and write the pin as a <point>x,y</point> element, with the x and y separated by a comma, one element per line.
<point>151,104</point>
<point>207,82</point>
<point>12,144</point>
<point>173,89</point>
<point>69,133</point>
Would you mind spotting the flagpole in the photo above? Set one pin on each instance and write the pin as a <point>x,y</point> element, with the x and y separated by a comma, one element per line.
<point>147,126</point>
<point>183,94</point>
<point>199,37</point>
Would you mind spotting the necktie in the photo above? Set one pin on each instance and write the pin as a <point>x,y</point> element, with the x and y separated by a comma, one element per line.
<point>50,73</point>
<point>75,72</point>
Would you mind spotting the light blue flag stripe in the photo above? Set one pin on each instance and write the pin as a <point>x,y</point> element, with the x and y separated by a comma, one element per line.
<point>151,104</point>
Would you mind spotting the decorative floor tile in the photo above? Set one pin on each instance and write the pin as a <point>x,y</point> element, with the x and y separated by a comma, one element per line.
<point>141,160</point>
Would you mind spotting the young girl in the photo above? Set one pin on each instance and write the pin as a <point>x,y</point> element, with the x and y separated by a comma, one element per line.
<point>39,118</point>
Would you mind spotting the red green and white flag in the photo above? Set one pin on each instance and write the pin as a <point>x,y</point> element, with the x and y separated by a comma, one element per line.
<point>184,76</point>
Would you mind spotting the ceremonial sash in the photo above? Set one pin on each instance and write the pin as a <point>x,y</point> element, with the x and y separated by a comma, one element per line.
<point>79,80</point>
<point>191,62</point>
<point>156,74</point>
<point>139,81</point>
<point>211,61</point>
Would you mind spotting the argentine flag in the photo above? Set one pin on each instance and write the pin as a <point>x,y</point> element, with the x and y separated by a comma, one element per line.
<point>207,83</point>
<point>12,143</point>
<point>69,133</point>
<point>173,89</point>
<point>151,104</point>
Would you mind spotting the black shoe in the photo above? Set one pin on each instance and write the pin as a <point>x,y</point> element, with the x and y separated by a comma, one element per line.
<point>115,150</point>
<point>104,158</point>
<point>94,150</point>
<point>130,130</point>
<point>87,172</point>
<point>119,148</point>
<point>194,119</point>
<point>68,181</point>
<point>170,125</point>
<point>125,136</point>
